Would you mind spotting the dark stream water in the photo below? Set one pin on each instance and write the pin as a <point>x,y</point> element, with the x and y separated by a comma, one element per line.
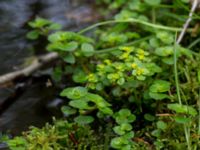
<point>30,101</point>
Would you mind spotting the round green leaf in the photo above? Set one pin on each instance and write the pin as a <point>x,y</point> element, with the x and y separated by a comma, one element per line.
<point>182,119</point>
<point>160,86</point>
<point>79,77</point>
<point>124,112</point>
<point>149,117</point>
<point>129,135</point>
<point>164,51</point>
<point>87,49</point>
<point>55,26</point>
<point>106,110</point>
<point>161,125</point>
<point>74,93</point>
<point>33,35</point>
<point>156,133</point>
<point>178,108</point>
<point>80,104</point>
<point>59,36</point>
<point>60,46</point>
<point>121,81</point>
<point>69,58</point>
<point>164,36</point>
<point>158,96</point>
<point>126,126</point>
<point>69,47</point>
<point>39,22</point>
<point>118,142</point>
<point>118,130</point>
<point>68,110</point>
<point>84,119</point>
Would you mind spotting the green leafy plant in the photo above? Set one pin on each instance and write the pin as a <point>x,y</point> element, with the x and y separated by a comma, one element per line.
<point>123,75</point>
<point>124,130</point>
<point>41,26</point>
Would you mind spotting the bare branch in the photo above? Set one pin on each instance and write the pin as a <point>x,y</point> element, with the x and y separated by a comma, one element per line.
<point>36,64</point>
<point>185,26</point>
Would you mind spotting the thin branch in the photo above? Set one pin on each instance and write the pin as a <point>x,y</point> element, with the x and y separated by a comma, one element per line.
<point>185,26</point>
<point>36,64</point>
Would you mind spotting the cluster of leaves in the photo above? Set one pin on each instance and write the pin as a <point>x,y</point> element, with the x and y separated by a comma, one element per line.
<point>123,118</point>
<point>84,101</point>
<point>127,73</point>
<point>69,45</point>
<point>41,27</point>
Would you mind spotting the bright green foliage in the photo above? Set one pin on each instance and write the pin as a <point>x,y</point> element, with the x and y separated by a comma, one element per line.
<point>161,125</point>
<point>68,44</point>
<point>149,117</point>
<point>41,27</point>
<point>68,110</point>
<point>74,93</point>
<point>157,88</point>
<point>87,49</point>
<point>128,69</point>
<point>124,116</point>
<point>81,99</point>
<point>84,119</point>
<point>124,130</point>
<point>184,109</point>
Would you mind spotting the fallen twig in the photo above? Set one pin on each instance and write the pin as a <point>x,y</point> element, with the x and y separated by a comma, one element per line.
<point>185,26</point>
<point>165,115</point>
<point>35,65</point>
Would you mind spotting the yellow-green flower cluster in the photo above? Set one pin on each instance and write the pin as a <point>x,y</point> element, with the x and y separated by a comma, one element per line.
<point>92,78</point>
<point>132,63</point>
<point>141,54</point>
<point>127,52</point>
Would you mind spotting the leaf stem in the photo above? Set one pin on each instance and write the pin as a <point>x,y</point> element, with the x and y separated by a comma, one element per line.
<point>126,44</point>
<point>132,20</point>
<point>176,75</point>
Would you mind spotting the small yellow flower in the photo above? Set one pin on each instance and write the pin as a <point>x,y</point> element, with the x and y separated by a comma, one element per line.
<point>119,68</point>
<point>124,56</point>
<point>126,48</point>
<point>92,78</point>
<point>134,65</point>
<point>141,52</point>
<point>101,66</point>
<point>107,61</point>
<point>140,71</point>
<point>141,57</point>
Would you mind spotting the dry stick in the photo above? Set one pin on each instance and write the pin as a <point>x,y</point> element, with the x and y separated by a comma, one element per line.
<point>185,26</point>
<point>36,64</point>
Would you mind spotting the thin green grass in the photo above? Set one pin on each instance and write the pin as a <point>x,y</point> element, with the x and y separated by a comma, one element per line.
<point>186,126</point>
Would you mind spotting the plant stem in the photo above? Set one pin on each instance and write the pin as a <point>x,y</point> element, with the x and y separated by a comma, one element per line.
<point>187,136</point>
<point>133,20</point>
<point>194,43</point>
<point>185,126</point>
<point>126,44</point>
<point>199,111</point>
<point>176,76</point>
